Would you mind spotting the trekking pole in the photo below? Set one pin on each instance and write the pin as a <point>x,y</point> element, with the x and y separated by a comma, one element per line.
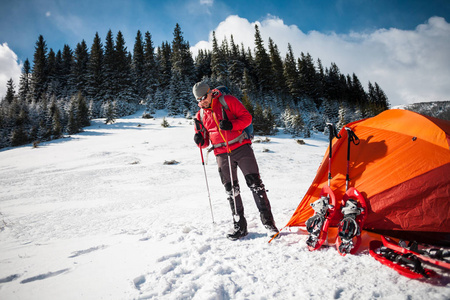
<point>332,133</point>
<point>353,209</point>
<point>197,124</point>
<point>324,207</point>
<point>235,216</point>
<point>351,138</point>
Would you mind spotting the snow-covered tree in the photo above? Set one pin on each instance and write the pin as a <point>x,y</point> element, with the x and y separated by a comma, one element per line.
<point>110,112</point>
<point>10,91</point>
<point>40,74</point>
<point>150,74</point>
<point>219,65</point>
<point>138,67</point>
<point>95,71</point>
<point>263,65</point>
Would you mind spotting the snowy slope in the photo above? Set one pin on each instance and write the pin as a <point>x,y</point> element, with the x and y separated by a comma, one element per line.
<point>100,216</point>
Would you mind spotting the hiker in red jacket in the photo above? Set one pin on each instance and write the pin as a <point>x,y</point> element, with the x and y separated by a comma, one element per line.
<point>226,133</point>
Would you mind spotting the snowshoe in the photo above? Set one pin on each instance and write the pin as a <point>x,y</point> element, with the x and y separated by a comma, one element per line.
<point>317,225</point>
<point>437,257</point>
<point>354,210</point>
<point>405,264</point>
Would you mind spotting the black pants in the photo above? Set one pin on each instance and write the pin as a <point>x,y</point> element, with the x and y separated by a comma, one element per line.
<point>244,158</point>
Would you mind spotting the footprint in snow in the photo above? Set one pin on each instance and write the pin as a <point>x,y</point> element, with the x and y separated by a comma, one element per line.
<point>43,276</point>
<point>9,278</point>
<point>139,281</point>
<point>92,249</point>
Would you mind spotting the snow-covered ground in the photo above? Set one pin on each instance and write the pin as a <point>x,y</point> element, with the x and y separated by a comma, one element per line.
<point>100,216</point>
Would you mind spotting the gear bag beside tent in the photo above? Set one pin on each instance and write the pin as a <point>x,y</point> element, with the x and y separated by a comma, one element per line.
<point>402,168</point>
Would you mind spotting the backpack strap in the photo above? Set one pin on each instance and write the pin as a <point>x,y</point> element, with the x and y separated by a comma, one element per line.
<point>222,101</point>
<point>238,139</point>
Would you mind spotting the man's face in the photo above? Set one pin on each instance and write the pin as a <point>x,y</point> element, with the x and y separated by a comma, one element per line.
<point>205,101</point>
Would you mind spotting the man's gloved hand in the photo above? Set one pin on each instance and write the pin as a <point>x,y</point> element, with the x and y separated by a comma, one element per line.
<point>225,125</point>
<point>198,139</point>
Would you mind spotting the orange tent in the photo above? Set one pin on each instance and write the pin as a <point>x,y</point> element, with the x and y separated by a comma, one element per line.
<point>401,166</point>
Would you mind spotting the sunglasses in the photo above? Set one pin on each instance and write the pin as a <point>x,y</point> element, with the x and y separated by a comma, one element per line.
<point>202,98</point>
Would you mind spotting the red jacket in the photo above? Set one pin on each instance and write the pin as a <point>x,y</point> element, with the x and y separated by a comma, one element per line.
<point>238,116</point>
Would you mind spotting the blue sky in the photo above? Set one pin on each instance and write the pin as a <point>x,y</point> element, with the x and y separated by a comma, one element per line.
<point>307,24</point>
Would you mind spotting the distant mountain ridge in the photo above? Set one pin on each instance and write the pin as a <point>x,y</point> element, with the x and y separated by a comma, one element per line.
<point>437,109</point>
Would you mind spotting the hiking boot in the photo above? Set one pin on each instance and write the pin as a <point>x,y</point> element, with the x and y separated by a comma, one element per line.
<point>240,229</point>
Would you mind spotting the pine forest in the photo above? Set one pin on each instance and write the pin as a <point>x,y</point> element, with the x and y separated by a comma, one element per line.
<point>60,92</point>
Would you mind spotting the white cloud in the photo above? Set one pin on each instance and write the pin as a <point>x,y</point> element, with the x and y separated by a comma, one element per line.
<point>409,65</point>
<point>9,68</point>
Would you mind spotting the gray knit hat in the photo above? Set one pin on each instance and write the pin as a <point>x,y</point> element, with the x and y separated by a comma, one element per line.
<point>200,89</point>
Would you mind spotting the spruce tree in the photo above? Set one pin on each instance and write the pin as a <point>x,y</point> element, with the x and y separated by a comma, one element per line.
<point>66,72</point>
<point>371,99</point>
<point>151,70</point>
<point>292,76</point>
<point>40,72</point>
<point>381,100</point>
<point>10,91</point>
<point>344,116</point>
<point>52,68</point>
<point>110,112</point>
<point>164,64</point>
<point>19,136</point>
<point>24,84</point>
<point>138,67</point>
<point>110,85</point>
<point>279,82</point>
<point>55,115</point>
<point>330,110</point>
<point>44,131</point>
<point>80,68</point>
<point>183,72</point>
<point>203,65</point>
<point>320,83</point>
<point>94,89</point>
<point>358,96</point>
<point>57,75</point>
<point>333,83</point>
<point>219,67</point>
<point>308,76</point>
<point>248,85</point>
<point>159,99</point>
<point>236,65</point>
<point>268,125</point>
<point>181,58</point>
<point>82,111</point>
<point>150,107</point>
<point>293,122</point>
<point>174,95</point>
<point>263,64</point>
<point>247,103</point>
<point>258,120</point>
<point>123,71</point>
<point>72,125</point>
<point>249,65</point>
